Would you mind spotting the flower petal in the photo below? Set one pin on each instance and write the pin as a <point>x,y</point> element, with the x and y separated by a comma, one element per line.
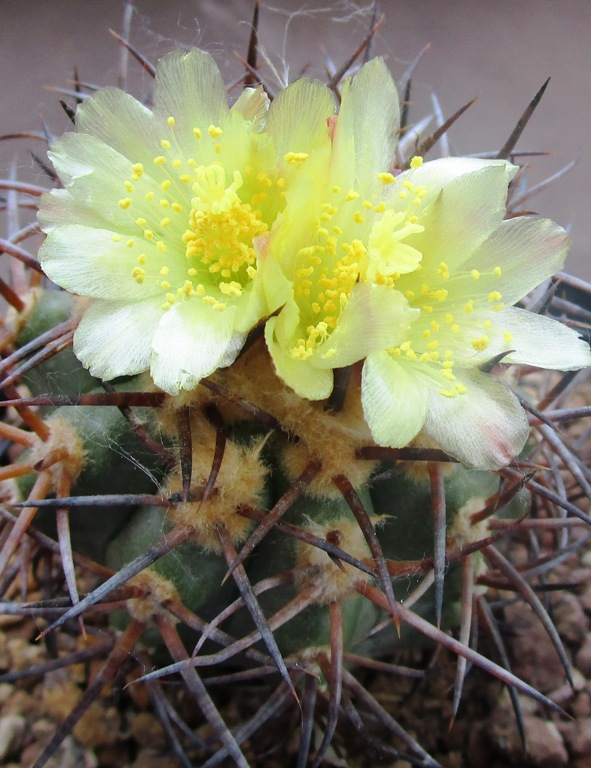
<point>461,209</point>
<point>189,87</point>
<point>191,341</point>
<point>543,342</point>
<point>93,173</point>
<point>297,117</point>
<point>527,250</point>
<point>484,428</point>
<point>90,262</point>
<point>306,380</point>
<point>121,122</point>
<point>114,338</point>
<point>395,400</point>
<point>367,127</point>
<point>374,318</point>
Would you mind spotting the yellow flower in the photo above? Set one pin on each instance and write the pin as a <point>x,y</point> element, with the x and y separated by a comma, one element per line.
<point>341,241</point>
<point>416,275</point>
<point>164,215</point>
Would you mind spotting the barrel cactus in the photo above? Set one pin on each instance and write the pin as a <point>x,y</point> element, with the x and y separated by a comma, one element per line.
<point>261,403</point>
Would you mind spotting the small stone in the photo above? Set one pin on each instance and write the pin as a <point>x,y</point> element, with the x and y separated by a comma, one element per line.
<point>581,741</point>
<point>583,657</point>
<point>571,622</point>
<point>545,745</point>
<point>147,731</point>
<point>6,691</point>
<point>582,705</point>
<point>12,729</point>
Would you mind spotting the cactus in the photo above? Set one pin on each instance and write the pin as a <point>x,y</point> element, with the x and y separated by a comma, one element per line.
<point>245,493</point>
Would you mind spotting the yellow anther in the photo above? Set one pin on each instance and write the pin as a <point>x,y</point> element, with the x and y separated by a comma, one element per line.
<point>164,222</point>
<point>141,259</point>
<point>336,190</point>
<point>455,328</point>
<point>138,274</point>
<point>129,243</point>
<point>125,203</point>
<point>196,133</point>
<point>164,203</point>
<point>443,271</point>
<point>165,284</point>
<point>448,392</point>
<point>475,274</point>
<point>214,131</point>
<point>494,296</point>
<point>128,186</point>
<point>449,318</point>
<point>295,158</point>
<point>176,163</point>
<point>159,160</point>
<point>116,238</point>
<point>165,144</point>
<point>166,185</point>
<point>171,121</point>
<point>351,195</point>
<point>386,178</point>
<point>469,306</point>
<point>141,222</point>
<point>358,218</point>
<point>481,344</point>
<point>176,207</point>
<point>461,389</point>
<point>138,170</point>
<point>497,271</point>
<point>380,207</point>
<point>148,234</point>
<point>164,271</point>
<point>149,196</point>
<point>416,162</point>
<point>367,205</point>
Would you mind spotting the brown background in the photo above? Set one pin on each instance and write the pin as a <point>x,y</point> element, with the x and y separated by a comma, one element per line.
<point>498,50</point>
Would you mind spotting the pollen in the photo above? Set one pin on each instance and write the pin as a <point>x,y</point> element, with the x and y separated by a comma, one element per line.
<point>125,203</point>
<point>416,162</point>
<point>196,133</point>
<point>214,131</point>
<point>475,274</point>
<point>295,158</point>
<point>171,121</point>
<point>386,178</point>
<point>481,344</point>
<point>494,296</point>
<point>159,160</point>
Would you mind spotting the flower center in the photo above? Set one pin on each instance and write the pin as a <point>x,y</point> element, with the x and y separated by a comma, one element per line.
<point>191,231</point>
<point>220,234</point>
<point>356,239</point>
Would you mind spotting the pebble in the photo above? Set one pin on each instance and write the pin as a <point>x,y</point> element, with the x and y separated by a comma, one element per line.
<point>12,730</point>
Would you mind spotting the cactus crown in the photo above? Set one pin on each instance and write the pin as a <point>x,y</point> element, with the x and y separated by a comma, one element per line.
<point>294,442</point>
